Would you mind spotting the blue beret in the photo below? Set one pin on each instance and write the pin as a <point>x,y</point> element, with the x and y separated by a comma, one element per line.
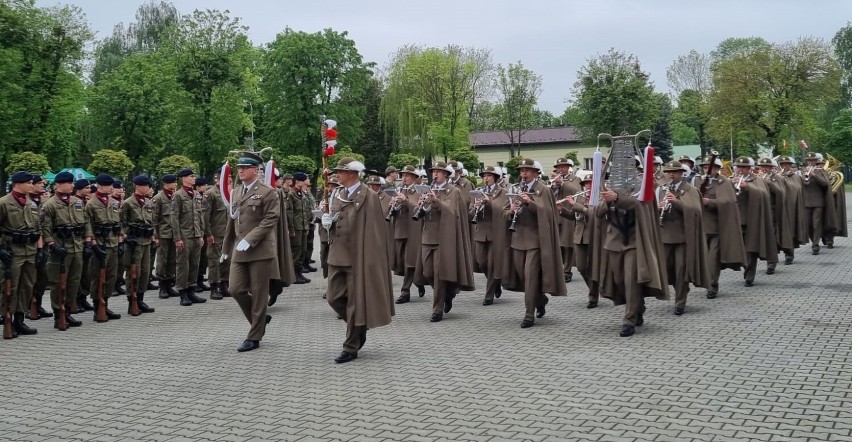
<point>168,179</point>
<point>185,172</point>
<point>116,184</point>
<point>300,176</point>
<point>200,181</point>
<point>37,178</point>
<point>142,180</point>
<point>81,183</point>
<point>64,177</point>
<point>22,177</point>
<point>104,180</point>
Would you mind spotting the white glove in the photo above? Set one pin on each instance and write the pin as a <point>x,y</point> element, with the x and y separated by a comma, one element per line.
<point>243,246</point>
<point>326,221</point>
<point>223,258</point>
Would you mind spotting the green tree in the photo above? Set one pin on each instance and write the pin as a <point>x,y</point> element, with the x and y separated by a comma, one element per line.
<point>402,159</point>
<point>467,156</point>
<point>28,161</point>
<point>512,168</point>
<point>173,163</point>
<point>113,162</point>
<point>344,152</point>
<point>518,89</point>
<point>842,42</point>
<point>376,145</point>
<point>572,155</point>
<point>298,163</point>
<point>840,136</point>
<point>306,76</point>
<point>689,119</point>
<point>661,133</point>
<point>613,95</point>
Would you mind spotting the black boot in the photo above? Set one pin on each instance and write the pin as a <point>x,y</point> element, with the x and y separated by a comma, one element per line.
<point>190,294</point>
<point>20,328</point>
<point>164,294</point>
<point>223,289</point>
<point>151,286</point>
<point>42,313</point>
<point>111,314</point>
<point>83,304</point>
<point>199,284</point>
<point>184,297</point>
<point>300,278</point>
<point>308,269</point>
<point>118,286</point>
<point>56,319</point>
<point>71,322</point>
<point>170,289</point>
<point>143,308</point>
<point>216,290</point>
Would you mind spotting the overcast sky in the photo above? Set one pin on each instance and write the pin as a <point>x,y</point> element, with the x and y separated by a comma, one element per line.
<point>554,38</point>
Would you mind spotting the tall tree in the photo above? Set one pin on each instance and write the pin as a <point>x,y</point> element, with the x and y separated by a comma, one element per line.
<point>690,72</point>
<point>613,94</point>
<point>661,133</point>
<point>518,89</point>
<point>305,76</point>
<point>842,42</point>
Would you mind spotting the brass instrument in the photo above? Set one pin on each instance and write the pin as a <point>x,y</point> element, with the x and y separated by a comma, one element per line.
<point>515,190</point>
<point>668,188</point>
<point>806,174</point>
<point>738,182</point>
<point>422,209</point>
<point>835,177</point>
<point>478,207</point>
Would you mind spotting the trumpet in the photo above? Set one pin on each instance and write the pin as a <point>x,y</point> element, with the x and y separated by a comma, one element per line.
<point>422,209</point>
<point>738,178</point>
<point>806,175</point>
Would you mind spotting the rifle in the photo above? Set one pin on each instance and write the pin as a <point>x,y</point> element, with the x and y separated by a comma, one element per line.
<point>7,294</point>
<point>134,280</point>
<point>63,284</point>
<point>34,307</point>
<point>100,315</point>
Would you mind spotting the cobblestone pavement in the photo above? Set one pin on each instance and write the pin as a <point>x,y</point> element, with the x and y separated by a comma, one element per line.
<point>772,362</point>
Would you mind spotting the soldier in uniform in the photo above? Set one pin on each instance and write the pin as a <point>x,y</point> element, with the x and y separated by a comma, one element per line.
<point>359,279</point>
<point>21,239</point>
<point>684,243</point>
<point>565,184</point>
<point>686,160</point>
<point>118,196</point>
<point>188,226</point>
<point>83,192</point>
<point>586,236</point>
<point>299,226</point>
<point>310,204</point>
<point>818,200</point>
<point>754,203</point>
<point>721,222</point>
<point>165,236</point>
<point>333,183</point>
<point>407,234</point>
<point>490,234</point>
<point>777,197</point>
<point>375,183</point>
<point>391,177</point>
<point>103,214</point>
<point>201,187</point>
<point>445,261</point>
<point>794,205</point>
<point>660,178</point>
<point>137,220</point>
<point>536,260</point>
<point>216,220</point>
<point>461,182</point>
<point>251,244</point>
<point>63,231</point>
<point>41,258</point>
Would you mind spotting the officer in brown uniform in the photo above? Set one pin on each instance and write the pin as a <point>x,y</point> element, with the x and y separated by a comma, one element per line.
<point>816,189</point>
<point>217,221</point>
<point>104,218</point>
<point>406,233</point>
<point>137,220</point>
<point>21,239</point>
<point>333,183</point>
<point>490,234</point>
<point>461,182</point>
<point>251,245</point>
<point>566,184</point>
<point>794,205</point>
<point>201,187</point>
<point>753,200</point>
<point>375,183</point>
<point>586,237</point>
<point>165,235</point>
<point>63,231</point>
<point>83,192</point>
<point>188,227</point>
<point>41,257</point>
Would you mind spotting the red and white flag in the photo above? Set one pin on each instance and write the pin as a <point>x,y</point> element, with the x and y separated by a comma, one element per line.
<point>646,192</point>
<point>225,184</point>
<point>269,174</point>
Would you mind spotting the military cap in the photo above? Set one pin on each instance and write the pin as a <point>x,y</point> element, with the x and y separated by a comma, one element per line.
<point>93,188</point>
<point>249,159</point>
<point>142,180</point>
<point>744,161</point>
<point>64,177</point>
<point>333,180</point>
<point>22,177</point>
<point>104,180</point>
<point>586,177</point>
<point>169,179</point>
<point>349,164</point>
<point>409,169</point>
<point>374,172</point>
<point>813,156</point>
<point>489,169</point>
<point>374,179</point>
<point>287,176</point>
<point>37,178</point>
<point>81,184</point>
<point>786,160</point>
<point>440,165</point>
<point>456,165</point>
<point>686,158</point>
<point>201,181</point>
<point>185,172</point>
<point>117,184</point>
<point>658,159</point>
<point>300,176</point>
<point>562,161</point>
<point>390,170</point>
<point>706,161</point>
<point>673,166</point>
<point>527,163</point>
<point>765,162</point>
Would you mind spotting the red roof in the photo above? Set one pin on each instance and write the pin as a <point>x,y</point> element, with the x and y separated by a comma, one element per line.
<point>564,134</point>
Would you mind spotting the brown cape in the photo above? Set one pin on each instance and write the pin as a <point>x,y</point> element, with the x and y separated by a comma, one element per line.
<point>839,199</point>
<point>760,234</point>
<point>731,248</point>
<point>794,205</point>
<point>286,272</point>
<point>414,230</point>
<point>498,233</point>
<point>552,271</point>
<point>570,186</point>
<point>697,270</point>
<point>384,202</point>
<point>455,257</point>
<point>780,215</point>
<point>651,275</point>
<point>373,297</point>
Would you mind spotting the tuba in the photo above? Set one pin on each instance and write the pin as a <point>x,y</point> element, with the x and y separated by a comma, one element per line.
<point>835,177</point>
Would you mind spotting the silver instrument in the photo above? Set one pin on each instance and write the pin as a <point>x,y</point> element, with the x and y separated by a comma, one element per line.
<point>738,182</point>
<point>478,207</point>
<point>514,191</point>
<point>666,189</point>
<point>393,209</point>
<point>422,208</point>
<point>574,196</point>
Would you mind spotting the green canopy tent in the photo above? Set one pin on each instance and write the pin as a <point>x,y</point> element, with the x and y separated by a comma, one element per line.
<point>79,173</point>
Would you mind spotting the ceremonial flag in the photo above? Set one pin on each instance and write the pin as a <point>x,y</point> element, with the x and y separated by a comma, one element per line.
<point>646,192</point>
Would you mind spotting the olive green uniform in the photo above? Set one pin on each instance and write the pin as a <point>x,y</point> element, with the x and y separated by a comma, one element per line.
<point>20,233</point>
<point>300,227</point>
<point>105,225</point>
<point>165,233</point>
<point>66,225</point>
<point>308,252</point>
<point>217,223</point>
<point>137,222</point>
<point>41,270</point>
<point>188,226</point>
<point>85,280</point>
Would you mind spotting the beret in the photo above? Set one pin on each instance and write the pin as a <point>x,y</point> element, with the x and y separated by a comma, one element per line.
<point>81,184</point>
<point>37,178</point>
<point>117,184</point>
<point>142,180</point>
<point>201,181</point>
<point>22,177</point>
<point>168,179</point>
<point>300,176</point>
<point>185,172</point>
<point>104,180</point>
<point>64,177</point>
